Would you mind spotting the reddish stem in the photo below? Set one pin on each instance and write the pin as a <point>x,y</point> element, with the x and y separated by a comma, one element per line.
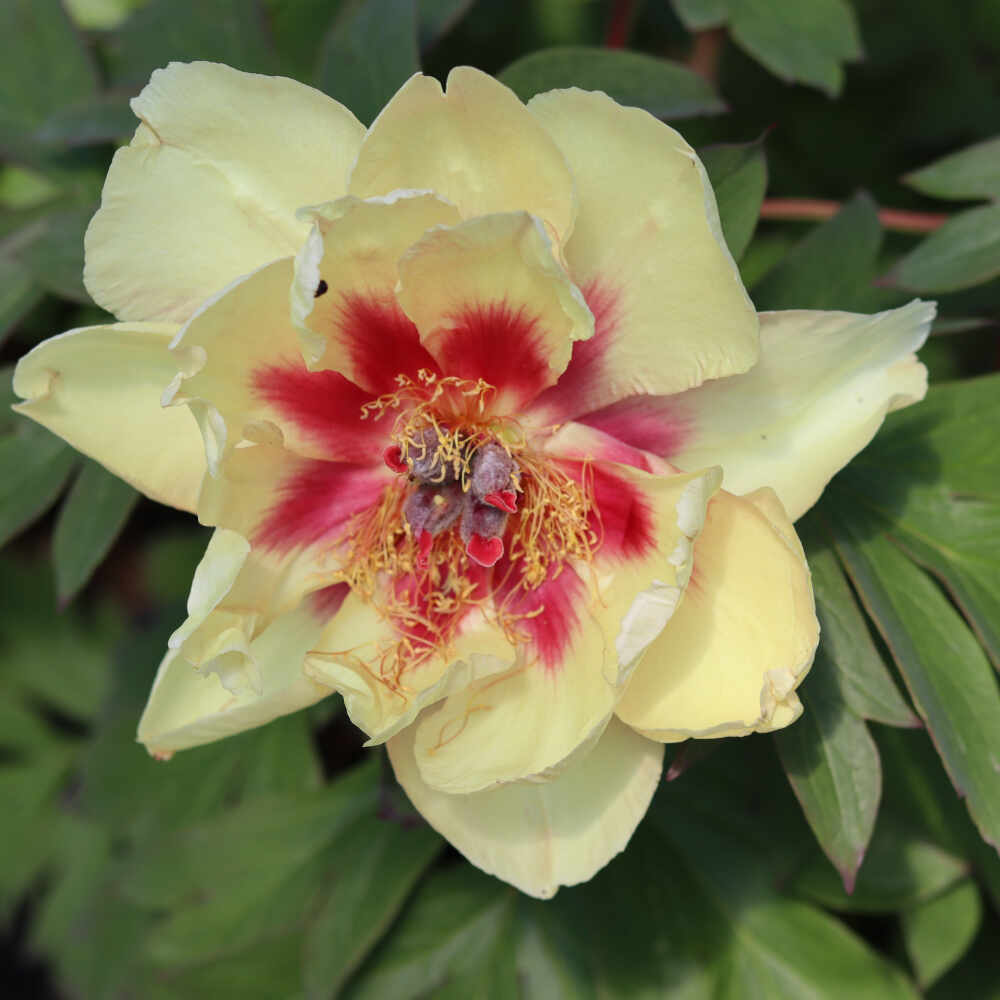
<point>706,53</point>
<point>818,209</point>
<point>618,26</point>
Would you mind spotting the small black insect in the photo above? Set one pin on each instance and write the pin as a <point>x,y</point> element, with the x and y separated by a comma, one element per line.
<point>321,289</point>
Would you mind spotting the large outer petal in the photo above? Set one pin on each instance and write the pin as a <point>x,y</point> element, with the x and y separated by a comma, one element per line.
<point>99,387</point>
<point>476,145</point>
<point>533,719</point>
<point>491,301</point>
<point>355,247</point>
<point>187,708</point>
<point>648,241</point>
<point>208,187</point>
<point>743,637</point>
<point>541,835</point>
<point>824,383</point>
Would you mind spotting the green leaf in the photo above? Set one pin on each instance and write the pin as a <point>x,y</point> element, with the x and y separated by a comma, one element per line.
<point>377,863</point>
<point>107,118</point>
<point>298,28</point>
<point>665,89</point>
<point>54,257</point>
<point>739,176</point>
<point>798,42</point>
<point>900,871</point>
<point>456,930</point>
<point>438,17</point>
<point>45,67</point>
<point>918,795</point>
<point>860,675</point>
<point>90,520</point>
<point>833,766</point>
<point>222,854</point>
<point>226,31</point>
<point>971,173</point>
<point>369,54</point>
<point>945,669</point>
<point>269,970</point>
<point>19,293</point>
<point>697,15</point>
<point>939,932</point>
<point>958,539</point>
<point>964,252</point>
<point>34,467</point>
<point>977,975</point>
<point>832,268</point>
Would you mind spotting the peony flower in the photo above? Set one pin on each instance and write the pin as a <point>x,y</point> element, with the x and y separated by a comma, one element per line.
<point>492,439</point>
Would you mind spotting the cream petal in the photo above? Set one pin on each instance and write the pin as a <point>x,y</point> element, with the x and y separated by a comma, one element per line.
<point>824,383</point>
<point>649,254</point>
<point>208,187</point>
<point>492,302</point>
<point>354,326</point>
<point>243,377</point>
<point>187,708</point>
<point>743,637</point>
<point>99,387</point>
<point>475,145</point>
<point>354,655</point>
<point>539,836</point>
<point>591,626</point>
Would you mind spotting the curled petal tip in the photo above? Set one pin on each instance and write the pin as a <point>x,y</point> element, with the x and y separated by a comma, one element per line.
<point>393,457</point>
<point>503,500</point>
<point>485,551</point>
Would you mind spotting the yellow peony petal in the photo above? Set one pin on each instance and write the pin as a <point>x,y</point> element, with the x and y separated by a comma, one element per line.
<point>540,836</point>
<point>648,251</point>
<point>475,145</point>
<point>743,637</point>
<point>99,387</point>
<point>208,187</point>
<point>593,627</point>
<point>243,377</point>
<point>353,656</point>
<point>350,323</point>
<point>824,383</point>
<point>491,301</point>
<point>187,708</point>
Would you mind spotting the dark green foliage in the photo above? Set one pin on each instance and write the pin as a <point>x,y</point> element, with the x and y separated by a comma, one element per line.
<point>851,855</point>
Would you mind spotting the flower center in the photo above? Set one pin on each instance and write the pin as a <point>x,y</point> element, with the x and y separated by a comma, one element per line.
<point>471,490</point>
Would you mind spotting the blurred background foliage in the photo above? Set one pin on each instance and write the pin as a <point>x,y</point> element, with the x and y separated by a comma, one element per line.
<point>853,148</point>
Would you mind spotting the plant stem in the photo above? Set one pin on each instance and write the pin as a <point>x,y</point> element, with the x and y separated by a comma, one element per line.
<point>817,209</point>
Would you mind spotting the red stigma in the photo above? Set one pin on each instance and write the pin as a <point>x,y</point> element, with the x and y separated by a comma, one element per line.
<point>424,549</point>
<point>485,551</point>
<point>393,457</point>
<point>502,500</point>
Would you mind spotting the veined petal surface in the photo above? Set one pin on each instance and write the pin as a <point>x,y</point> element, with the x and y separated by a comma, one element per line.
<point>492,302</point>
<point>539,836</point>
<point>343,299</point>
<point>647,250</point>
<point>586,628</point>
<point>242,375</point>
<point>743,638</point>
<point>187,708</point>
<point>474,144</point>
<point>99,388</point>
<point>822,387</point>
<point>207,189</point>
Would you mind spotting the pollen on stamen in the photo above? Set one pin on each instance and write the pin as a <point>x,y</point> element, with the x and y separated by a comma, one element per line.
<point>425,583</point>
